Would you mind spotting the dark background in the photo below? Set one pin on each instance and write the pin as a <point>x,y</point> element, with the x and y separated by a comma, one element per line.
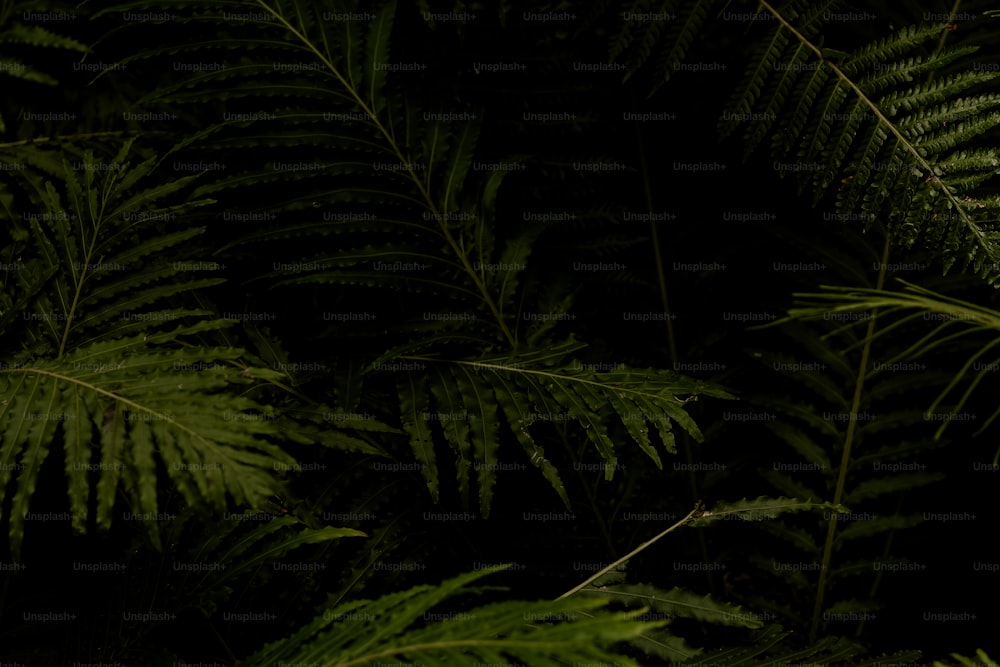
<point>552,555</point>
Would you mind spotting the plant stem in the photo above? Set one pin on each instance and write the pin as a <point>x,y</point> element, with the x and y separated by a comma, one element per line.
<point>944,34</point>
<point>641,547</point>
<point>845,457</point>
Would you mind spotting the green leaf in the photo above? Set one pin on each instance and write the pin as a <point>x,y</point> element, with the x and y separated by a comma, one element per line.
<point>760,509</point>
<point>38,36</point>
<point>377,56</point>
<point>677,602</point>
<point>413,405</point>
<point>483,431</point>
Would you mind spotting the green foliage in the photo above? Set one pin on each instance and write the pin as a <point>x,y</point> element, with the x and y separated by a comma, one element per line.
<point>885,128</point>
<point>674,34</point>
<point>14,33</point>
<point>449,342</point>
<point>123,394</point>
<point>864,453</point>
<point>813,421</point>
<point>958,320</point>
<point>760,509</point>
<point>671,604</point>
<point>104,360</point>
<point>540,386</point>
<point>863,126</point>
<point>828,650</point>
<point>431,205</point>
<point>396,627</point>
<point>983,659</point>
<point>609,583</point>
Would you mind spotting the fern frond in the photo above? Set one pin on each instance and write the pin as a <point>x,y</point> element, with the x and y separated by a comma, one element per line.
<point>385,151</point>
<point>866,527</point>
<point>671,32</point>
<point>558,388</point>
<point>38,36</point>
<point>800,538</point>
<point>676,602</point>
<point>760,509</point>
<point>124,394</point>
<point>981,660</point>
<point>953,313</point>
<point>873,488</point>
<point>788,485</point>
<point>414,404</point>
<point>35,36</point>
<point>661,642</point>
<point>768,649</point>
<point>859,118</point>
<point>806,447</point>
<point>97,272</point>
<point>377,56</point>
<point>517,413</point>
<point>503,277</point>
<point>401,626</point>
<point>265,542</point>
